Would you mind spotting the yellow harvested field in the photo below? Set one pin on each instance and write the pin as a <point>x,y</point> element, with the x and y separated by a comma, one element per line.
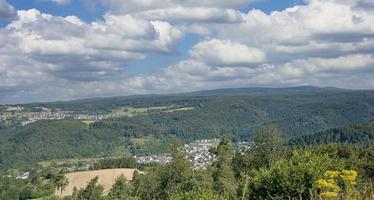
<point>88,122</point>
<point>107,178</point>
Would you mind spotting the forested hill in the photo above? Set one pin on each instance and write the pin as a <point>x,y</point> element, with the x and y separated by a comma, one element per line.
<point>355,134</point>
<point>234,116</point>
<point>306,90</point>
<point>190,97</point>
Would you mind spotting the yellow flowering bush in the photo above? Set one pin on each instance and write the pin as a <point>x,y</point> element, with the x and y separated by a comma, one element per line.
<point>329,185</point>
<point>349,176</point>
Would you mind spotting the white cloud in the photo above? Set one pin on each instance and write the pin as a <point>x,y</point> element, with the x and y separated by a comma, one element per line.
<point>180,11</point>
<point>194,14</point>
<point>132,6</point>
<point>194,75</point>
<point>114,40</point>
<point>322,43</point>
<point>61,2</point>
<point>225,52</point>
<point>320,28</point>
<point>40,52</point>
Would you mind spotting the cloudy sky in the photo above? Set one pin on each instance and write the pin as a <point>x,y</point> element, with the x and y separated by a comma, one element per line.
<point>69,49</point>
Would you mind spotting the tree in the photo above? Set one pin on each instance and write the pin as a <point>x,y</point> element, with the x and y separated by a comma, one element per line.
<point>177,175</point>
<point>267,145</point>
<point>121,189</point>
<point>267,149</point>
<point>61,181</point>
<point>223,175</point>
<point>200,194</point>
<point>93,191</point>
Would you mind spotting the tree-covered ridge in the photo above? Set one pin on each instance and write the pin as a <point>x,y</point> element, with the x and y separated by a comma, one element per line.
<point>55,140</point>
<point>235,117</point>
<point>355,134</point>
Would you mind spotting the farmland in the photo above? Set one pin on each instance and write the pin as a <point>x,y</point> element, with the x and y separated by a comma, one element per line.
<point>107,178</point>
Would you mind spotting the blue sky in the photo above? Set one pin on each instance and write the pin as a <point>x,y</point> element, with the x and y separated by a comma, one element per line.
<point>69,49</point>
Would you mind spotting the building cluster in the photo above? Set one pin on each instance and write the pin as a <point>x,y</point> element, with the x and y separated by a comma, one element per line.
<point>24,117</point>
<point>197,152</point>
<point>75,168</point>
<point>30,117</point>
<point>24,176</point>
<point>161,159</point>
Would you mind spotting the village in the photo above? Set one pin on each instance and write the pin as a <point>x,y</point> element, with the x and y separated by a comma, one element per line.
<point>197,152</point>
<point>23,117</point>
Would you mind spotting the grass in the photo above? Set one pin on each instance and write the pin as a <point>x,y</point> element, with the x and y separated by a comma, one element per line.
<point>48,163</point>
<point>126,111</point>
<point>180,109</point>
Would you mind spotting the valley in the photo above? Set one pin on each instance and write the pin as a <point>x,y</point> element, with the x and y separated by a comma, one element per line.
<point>39,141</point>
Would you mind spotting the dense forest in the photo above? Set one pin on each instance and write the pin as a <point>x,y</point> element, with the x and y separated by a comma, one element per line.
<point>232,113</point>
<point>355,134</point>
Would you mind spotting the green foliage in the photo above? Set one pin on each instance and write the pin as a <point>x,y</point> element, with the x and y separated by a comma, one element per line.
<point>93,191</point>
<point>121,190</point>
<point>223,175</point>
<point>200,194</point>
<point>129,162</point>
<point>356,134</point>
<point>289,178</point>
<point>61,181</point>
<point>266,149</point>
<point>38,185</point>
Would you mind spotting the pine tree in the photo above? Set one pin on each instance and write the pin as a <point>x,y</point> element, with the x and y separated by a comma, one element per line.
<point>223,175</point>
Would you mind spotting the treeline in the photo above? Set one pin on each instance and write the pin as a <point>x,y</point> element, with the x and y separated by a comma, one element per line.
<point>355,134</point>
<point>128,162</point>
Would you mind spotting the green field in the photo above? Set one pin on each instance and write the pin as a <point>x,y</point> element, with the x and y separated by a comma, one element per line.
<point>72,161</point>
<point>130,111</point>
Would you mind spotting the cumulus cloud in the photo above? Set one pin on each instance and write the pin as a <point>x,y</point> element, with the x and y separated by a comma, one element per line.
<point>320,28</point>
<point>40,50</point>
<point>68,46</point>
<point>192,11</point>
<point>193,75</point>
<point>226,53</point>
<point>6,10</point>
<point>322,43</point>
<point>131,6</point>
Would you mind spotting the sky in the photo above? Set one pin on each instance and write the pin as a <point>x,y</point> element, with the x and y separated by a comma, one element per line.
<point>69,49</point>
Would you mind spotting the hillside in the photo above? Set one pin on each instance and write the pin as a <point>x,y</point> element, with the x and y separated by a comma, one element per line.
<point>355,134</point>
<point>308,111</point>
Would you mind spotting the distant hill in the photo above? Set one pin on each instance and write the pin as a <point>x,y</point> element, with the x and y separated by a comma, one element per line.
<point>105,103</point>
<point>259,91</point>
<point>252,91</point>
